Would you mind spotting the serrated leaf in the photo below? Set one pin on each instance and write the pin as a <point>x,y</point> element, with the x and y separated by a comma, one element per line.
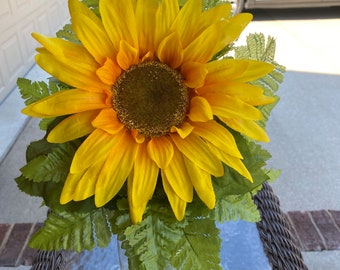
<point>32,91</point>
<point>53,167</point>
<point>74,231</point>
<point>236,207</point>
<point>68,34</point>
<point>200,246</point>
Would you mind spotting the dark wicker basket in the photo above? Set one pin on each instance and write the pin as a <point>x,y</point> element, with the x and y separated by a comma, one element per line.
<point>274,232</point>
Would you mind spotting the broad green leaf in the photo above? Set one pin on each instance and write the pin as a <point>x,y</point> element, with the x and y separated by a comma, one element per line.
<point>74,231</point>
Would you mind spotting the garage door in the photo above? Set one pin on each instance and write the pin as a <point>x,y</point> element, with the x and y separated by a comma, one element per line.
<point>18,19</point>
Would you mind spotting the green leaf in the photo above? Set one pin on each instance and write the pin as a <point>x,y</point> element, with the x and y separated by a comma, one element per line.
<point>68,34</point>
<point>200,246</point>
<point>52,167</point>
<point>32,91</point>
<point>74,231</point>
<point>235,207</point>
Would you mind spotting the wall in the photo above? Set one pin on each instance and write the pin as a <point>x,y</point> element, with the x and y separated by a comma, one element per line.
<point>18,19</point>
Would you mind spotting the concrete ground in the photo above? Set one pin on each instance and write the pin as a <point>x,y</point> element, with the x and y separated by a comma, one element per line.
<point>304,127</point>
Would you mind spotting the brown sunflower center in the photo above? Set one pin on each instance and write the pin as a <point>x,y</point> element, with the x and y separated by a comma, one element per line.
<point>151,98</point>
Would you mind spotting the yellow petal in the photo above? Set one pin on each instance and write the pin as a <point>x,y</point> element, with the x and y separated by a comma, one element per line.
<point>202,183</point>
<point>108,121</point>
<point>217,135</point>
<point>200,110</point>
<point>73,127</point>
<point>170,51</point>
<point>109,72</point>
<point>87,183</point>
<point>248,128</point>
<point>194,74</point>
<point>75,72</point>
<point>66,102</point>
<point>116,169</point>
<point>119,21</point>
<point>145,21</point>
<point>231,29</point>
<point>202,49</point>
<point>231,161</point>
<point>127,55</point>
<point>236,70</point>
<point>165,15</point>
<point>96,146</point>
<point>70,185</point>
<point>178,177</point>
<point>213,15</point>
<point>161,151</point>
<point>196,150</point>
<point>186,21</point>
<point>177,204</point>
<point>90,30</point>
<point>229,107</point>
<point>136,212</point>
<point>184,130</point>
<point>145,173</point>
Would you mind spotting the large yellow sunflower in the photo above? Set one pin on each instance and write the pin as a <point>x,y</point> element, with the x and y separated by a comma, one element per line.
<point>146,94</point>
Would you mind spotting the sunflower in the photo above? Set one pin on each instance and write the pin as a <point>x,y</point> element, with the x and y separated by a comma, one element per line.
<point>149,99</point>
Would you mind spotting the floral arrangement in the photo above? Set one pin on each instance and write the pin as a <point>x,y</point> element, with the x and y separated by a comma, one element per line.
<point>152,116</point>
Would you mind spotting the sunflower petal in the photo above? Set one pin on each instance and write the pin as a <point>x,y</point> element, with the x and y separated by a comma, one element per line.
<point>127,55</point>
<point>108,121</point>
<point>177,204</point>
<point>70,185</point>
<point>202,183</point>
<point>231,29</point>
<point>165,15</point>
<point>202,49</point>
<point>218,136</point>
<point>196,150</point>
<point>186,21</point>
<point>96,146</point>
<point>116,169</point>
<point>248,128</point>
<point>200,110</point>
<point>87,184</point>
<point>184,130</point>
<point>72,71</point>
<point>73,127</point>
<point>178,177</point>
<point>145,21</point>
<point>109,72</point>
<point>229,107</point>
<point>119,21</point>
<point>144,178</point>
<point>194,74</point>
<point>236,70</point>
<point>66,102</point>
<point>161,151</point>
<point>170,51</point>
<point>136,212</point>
<point>90,30</point>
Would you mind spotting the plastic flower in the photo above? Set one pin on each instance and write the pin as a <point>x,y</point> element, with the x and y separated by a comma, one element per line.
<point>146,94</point>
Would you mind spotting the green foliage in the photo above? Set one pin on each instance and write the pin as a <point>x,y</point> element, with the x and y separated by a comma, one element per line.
<point>236,207</point>
<point>67,33</point>
<point>32,91</point>
<point>52,167</point>
<point>161,242</point>
<point>74,231</point>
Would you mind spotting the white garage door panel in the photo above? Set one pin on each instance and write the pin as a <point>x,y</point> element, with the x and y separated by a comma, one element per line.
<point>18,19</point>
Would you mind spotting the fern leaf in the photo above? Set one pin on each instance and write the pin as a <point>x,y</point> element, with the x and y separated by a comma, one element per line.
<point>235,207</point>
<point>52,167</point>
<point>32,91</point>
<point>76,231</point>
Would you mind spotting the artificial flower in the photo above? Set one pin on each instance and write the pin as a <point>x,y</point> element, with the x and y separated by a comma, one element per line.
<point>150,99</point>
